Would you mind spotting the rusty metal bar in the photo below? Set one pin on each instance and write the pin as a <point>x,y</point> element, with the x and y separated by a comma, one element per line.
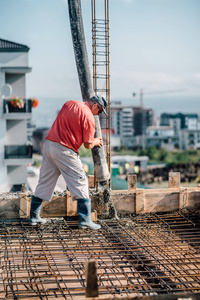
<point>141,255</point>
<point>101,64</point>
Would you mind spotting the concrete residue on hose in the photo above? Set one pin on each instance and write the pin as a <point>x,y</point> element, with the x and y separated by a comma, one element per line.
<point>104,203</point>
<point>100,165</point>
<point>85,80</point>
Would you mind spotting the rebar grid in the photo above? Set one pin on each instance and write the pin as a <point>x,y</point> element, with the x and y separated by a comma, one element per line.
<point>142,255</point>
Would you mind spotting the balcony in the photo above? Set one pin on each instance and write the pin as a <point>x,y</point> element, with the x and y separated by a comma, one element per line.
<point>18,154</point>
<point>11,112</point>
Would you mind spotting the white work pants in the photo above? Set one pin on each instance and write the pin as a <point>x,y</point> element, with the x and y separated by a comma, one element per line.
<point>57,159</point>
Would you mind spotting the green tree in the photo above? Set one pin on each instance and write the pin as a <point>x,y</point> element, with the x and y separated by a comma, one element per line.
<point>142,152</point>
<point>162,155</point>
<point>151,152</point>
<point>181,157</point>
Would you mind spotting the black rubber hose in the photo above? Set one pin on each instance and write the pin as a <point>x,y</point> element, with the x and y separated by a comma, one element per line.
<point>82,63</point>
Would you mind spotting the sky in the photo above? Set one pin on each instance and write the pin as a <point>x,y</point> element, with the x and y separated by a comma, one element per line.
<point>154,46</point>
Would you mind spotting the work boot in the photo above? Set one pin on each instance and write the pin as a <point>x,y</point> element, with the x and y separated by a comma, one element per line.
<point>84,213</point>
<point>36,205</point>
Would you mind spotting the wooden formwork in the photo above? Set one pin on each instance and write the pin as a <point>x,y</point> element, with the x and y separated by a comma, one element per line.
<point>133,200</point>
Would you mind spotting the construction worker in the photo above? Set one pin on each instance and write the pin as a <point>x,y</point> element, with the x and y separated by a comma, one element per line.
<point>136,169</point>
<point>74,126</point>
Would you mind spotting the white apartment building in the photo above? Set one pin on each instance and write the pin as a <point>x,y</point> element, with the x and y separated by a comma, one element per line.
<point>15,153</point>
<point>161,131</point>
<point>162,137</point>
<point>122,118</point>
<point>126,122</point>
<point>190,139</point>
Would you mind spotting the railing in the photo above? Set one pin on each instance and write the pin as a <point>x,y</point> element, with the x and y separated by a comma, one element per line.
<point>9,108</point>
<point>18,151</point>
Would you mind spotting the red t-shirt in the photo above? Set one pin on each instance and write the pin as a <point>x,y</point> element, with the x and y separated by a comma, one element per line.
<point>73,126</point>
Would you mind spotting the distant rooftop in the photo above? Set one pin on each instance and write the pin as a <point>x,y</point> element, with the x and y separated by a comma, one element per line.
<point>8,46</point>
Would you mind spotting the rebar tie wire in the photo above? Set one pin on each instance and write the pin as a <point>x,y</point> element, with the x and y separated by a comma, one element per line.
<point>140,255</point>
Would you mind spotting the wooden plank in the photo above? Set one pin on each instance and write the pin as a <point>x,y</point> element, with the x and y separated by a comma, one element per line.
<point>25,204</point>
<point>183,198</point>
<point>72,209</point>
<point>94,216</point>
<point>132,182</point>
<point>124,203</point>
<point>91,181</point>
<point>164,191</point>
<point>174,179</point>
<point>71,206</point>
<point>57,207</point>
<point>161,200</point>
<point>194,199</point>
<point>139,201</point>
<point>91,280</point>
<point>120,192</point>
<point>9,208</point>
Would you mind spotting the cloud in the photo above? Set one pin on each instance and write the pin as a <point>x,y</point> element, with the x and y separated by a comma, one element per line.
<point>125,83</point>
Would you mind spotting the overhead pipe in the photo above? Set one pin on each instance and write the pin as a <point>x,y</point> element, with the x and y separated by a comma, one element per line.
<point>82,62</point>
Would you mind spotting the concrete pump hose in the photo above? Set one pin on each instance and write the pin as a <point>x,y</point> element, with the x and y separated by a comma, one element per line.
<point>78,37</point>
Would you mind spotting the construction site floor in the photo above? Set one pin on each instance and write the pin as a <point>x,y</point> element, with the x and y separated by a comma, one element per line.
<point>151,256</point>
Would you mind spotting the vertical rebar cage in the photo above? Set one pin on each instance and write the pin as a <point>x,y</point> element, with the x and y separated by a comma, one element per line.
<point>101,66</point>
